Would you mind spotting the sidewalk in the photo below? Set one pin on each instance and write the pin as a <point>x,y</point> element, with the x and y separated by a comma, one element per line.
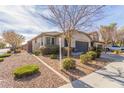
<point>111,76</point>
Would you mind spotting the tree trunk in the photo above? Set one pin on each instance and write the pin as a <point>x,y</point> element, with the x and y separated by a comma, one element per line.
<point>69,48</point>
<point>105,47</point>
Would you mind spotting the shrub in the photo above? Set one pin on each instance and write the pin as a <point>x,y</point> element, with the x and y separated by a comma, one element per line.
<point>37,53</point>
<point>9,51</point>
<point>50,50</point>
<point>68,63</point>
<point>92,54</point>
<point>53,56</point>
<point>65,50</point>
<point>98,51</point>
<point>1,59</point>
<point>5,55</point>
<point>85,58</point>
<point>117,51</point>
<point>25,70</point>
<point>17,51</point>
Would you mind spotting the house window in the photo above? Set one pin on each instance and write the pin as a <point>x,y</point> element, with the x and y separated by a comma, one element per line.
<point>65,43</point>
<point>41,42</point>
<point>53,41</point>
<point>48,40</point>
<point>35,40</point>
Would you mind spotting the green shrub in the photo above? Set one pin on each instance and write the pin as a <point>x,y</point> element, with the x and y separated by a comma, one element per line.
<point>37,53</point>
<point>93,54</point>
<point>9,51</point>
<point>98,54</point>
<point>65,50</point>
<point>85,58</point>
<point>117,51</point>
<point>1,59</point>
<point>50,50</point>
<point>68,63</point>
<point>5,55</point>
<point>26,70</point>
<point>17,51</point>
<point>53,56</point>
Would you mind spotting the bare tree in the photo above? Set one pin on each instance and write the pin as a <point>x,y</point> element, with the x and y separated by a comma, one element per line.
<point>105,35</point>
<point>120,36</point>
<point>14,39</point>
<point>73,18</point>
<point>109,34</point>
<point>112,32</point>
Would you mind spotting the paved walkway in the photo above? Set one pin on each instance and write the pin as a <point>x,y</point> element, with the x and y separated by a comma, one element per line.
<point>111,76</point>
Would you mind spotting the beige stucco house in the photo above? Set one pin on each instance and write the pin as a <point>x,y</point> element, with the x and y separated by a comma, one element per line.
<point>96,39</point>
<point>81,41</point>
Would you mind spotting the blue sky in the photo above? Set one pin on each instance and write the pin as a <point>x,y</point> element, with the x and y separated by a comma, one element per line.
<point>24,20</point>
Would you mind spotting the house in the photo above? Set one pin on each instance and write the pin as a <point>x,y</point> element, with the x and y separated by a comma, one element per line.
<point>96,39</point>
<point>81,41</point>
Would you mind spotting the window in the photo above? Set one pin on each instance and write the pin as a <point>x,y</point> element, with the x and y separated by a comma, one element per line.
<point>65,43</point>
<point>41,42</point>
<point>48,40</point>
<point>35,40</point>
<point>53,41</point>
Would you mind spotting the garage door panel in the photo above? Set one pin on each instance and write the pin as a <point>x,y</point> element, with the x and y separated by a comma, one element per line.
<point>81,46</point>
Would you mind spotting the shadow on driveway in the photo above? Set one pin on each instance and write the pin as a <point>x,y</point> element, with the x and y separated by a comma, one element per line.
<point>80,84</point>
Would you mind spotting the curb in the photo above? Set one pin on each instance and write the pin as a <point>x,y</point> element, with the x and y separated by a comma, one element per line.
<point>59,74</point>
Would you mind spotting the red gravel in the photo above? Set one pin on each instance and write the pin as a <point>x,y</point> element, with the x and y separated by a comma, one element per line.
<point>45,79</point>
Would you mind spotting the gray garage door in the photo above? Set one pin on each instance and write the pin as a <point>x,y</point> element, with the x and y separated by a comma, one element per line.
<point>81,46</point>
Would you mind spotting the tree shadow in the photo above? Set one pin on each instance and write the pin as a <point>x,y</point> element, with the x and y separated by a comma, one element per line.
<point>114,76</point>
<point>88,68</point>
<point>113,57</point>
<point>80,84</point>
<point>94,66</point>
<point>75,82</point>
<point>74,74</point>
<point>29,77</point>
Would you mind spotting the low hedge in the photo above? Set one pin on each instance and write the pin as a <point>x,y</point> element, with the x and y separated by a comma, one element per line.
<point>98,51</point>
<point>1,59</point>
<point>85,58</point>
<point>37,53</point>
<point>53,56</point>
<point>50,50</point>
<point>17,51</point>
<point>68,63</point>
<point>93,54</point>
<point>25,71</point>
<point>9,51</point>
<point>98,54</point>
<point>5,55</point>
<point>117,52</point>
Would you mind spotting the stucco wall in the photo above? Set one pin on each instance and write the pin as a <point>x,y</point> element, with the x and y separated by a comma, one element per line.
<point>80,37</point>
<point>75,37</point>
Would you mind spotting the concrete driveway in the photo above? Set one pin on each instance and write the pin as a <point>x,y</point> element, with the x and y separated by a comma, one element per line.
<point>111,76</point>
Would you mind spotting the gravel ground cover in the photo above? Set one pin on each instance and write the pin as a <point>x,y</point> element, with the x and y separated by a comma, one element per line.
<point>45,79</point>
<point>81,69</point>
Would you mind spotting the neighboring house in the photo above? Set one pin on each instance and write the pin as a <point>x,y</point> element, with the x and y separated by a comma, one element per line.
<point>81,41</point>
<point>96,39</point>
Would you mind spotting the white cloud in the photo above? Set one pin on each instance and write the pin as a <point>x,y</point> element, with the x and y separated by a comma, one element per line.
<point>23,19</point>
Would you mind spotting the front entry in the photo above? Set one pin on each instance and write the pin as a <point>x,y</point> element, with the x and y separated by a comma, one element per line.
<point>81,46</point>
